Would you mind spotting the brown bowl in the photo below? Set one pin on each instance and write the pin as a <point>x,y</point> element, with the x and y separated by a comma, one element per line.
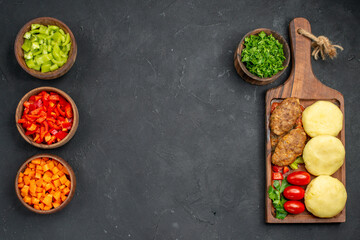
<point>72,179</point>
<point>19,53</point>
<point>241,68</point>
<point>29,139</point>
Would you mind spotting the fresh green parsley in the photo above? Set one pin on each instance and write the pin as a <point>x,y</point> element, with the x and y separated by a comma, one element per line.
<point>263,55</point>
<point>278,199</point>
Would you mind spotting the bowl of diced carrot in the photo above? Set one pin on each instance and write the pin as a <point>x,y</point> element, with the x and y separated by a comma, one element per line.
<point>45,183</point>
<point>47,117</point>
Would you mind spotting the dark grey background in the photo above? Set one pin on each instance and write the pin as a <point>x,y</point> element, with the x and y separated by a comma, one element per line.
<point>171,140</point>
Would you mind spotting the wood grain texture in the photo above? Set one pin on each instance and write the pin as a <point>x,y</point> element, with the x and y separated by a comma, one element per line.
<point>72,186</point>
<point>242,70</point>
<point>20,109</point>
<point>19,53</point>
<point>302,84</point>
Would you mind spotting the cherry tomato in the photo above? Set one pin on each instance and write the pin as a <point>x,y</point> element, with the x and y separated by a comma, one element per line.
<point>277,168</point>
<point>300,178</point>
<point>294,207</point>
<point>294,193</point>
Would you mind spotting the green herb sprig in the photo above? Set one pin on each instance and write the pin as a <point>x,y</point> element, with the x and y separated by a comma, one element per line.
<point>263,55</point>
<point>277,198</point>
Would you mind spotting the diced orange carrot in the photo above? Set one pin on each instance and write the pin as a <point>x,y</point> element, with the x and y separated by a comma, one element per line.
<point>57,183</point>
<point>32,174</point>
<point>37,175</point>
<point>37,207</point>
<point>50,164</point>
<point>42,163</point>
<point>55,170</point>
<point>21,174</point>
<point>27,171</point>
<point>66,190</point>
<point>54,177</point>
<point>63,179</point>
<point>25,190</point>
<point>45,158</point>
<point>32,189</point>
<point>57,195</point>
<point>27,199</point>
<point>31,165</point>
<point>47,208</point>
<point>68,183</point>
<point>48,187</point>
<point>38,167</point>
<point>47,200</point>
<point>35,201</point>
<point>26,180</point>
<point>20,180</point>
<point>60,166</point>
<point>62,187</point>
<point>56,204</point>
<point>39,190</point>
<point>36,161</point>
<point>20,185</point>
<point>45,167</point>
<point>65,171</point>
<point>60,173</point>
<point>63,198</point>
<point>41,206</point>
<point>38,195</point>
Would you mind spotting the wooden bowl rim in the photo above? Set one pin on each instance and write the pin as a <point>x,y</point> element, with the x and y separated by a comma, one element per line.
<point>72,179</point>
<point>20,109</point>
<point>19,53</point>
<point>277,36</point>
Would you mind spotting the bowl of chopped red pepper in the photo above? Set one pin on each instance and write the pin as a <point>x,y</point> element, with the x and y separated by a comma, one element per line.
<point>47,117</point>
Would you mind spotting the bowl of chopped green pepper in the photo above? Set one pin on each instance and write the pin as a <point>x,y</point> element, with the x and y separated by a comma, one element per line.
<point>45,48</point>
<point>262,56</point>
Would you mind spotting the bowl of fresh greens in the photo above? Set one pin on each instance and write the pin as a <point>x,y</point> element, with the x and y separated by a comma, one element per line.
<point>262,56</point>
<point>45,48</point>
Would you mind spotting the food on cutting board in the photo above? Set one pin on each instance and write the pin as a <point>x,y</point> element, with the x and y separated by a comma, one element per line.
<point>323,155</point>
<point>44,184</point>
<point>263,55</point>
<point>284,116</point>
<point>325,197</point>
<point>46,48</point>
<point>289,147</point>
<point>47,117</point>
<point>322,118</point>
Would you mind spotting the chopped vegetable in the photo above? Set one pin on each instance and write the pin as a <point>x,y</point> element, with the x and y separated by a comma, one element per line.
<point>286,169</point>
<point>39,189</point>
<point>277,198</point>
<point>298,160</point>
<point>47,117</point>
<point>263,55</point>
<point>277,176</point>
<point>277,168</point>
<point>46,48</point>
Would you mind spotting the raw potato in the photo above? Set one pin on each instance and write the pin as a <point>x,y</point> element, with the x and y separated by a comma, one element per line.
<point>325,197</point>
<point>323,155</point>
<point>322,118</point>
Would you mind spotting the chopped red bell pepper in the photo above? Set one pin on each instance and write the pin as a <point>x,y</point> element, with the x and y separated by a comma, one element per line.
<point>46,111</point>
<point>61,135</point>
<point>286,169</point>
<point>277,168</point>
<point>68,111</point>
<point>277,176</point>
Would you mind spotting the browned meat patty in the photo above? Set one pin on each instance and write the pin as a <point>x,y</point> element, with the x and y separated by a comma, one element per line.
<point>284,116</point>
<point>289,147</point>
<point>274,139</point>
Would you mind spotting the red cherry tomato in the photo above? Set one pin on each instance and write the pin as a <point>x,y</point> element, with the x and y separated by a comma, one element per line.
<point>294,207</point>
<point>300,178</point>
<point>294,193</point>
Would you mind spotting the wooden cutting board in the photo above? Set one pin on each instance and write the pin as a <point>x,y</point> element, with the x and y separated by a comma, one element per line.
<point>302,84</point>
